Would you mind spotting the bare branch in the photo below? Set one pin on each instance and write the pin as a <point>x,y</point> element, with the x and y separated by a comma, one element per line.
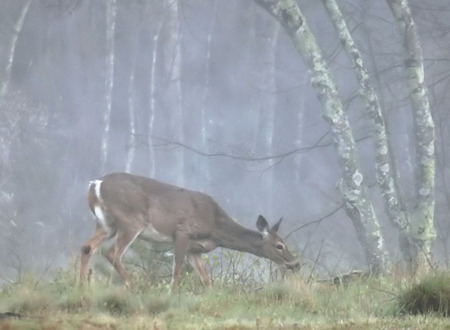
<point>315,221</point>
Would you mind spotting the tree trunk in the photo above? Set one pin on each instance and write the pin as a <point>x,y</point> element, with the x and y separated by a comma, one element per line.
<point>421,229</point>
<point>152,112</point>
<point>131,145</point>
<point>173,92</point>
<point>12,49</point>
<point>111,10</point>
<point>205,115</point>
<point>132,116</point>
<point>386,175</point>
<point>358,206</point>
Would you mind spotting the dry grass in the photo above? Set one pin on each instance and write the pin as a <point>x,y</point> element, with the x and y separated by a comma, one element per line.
<point>430,295</point>
<point>291,304</point>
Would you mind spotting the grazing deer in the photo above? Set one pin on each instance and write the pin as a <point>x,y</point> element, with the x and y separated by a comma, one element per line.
<point>128,206</point>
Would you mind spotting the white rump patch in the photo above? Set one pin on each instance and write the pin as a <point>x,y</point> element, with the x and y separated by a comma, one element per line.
<point>100,215</point>
<point>97,184</point>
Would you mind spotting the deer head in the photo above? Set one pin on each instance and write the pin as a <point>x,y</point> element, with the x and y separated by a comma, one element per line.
<point>274,247</point>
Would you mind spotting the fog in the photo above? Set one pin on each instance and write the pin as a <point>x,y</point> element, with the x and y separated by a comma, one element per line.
<point>208,95</point>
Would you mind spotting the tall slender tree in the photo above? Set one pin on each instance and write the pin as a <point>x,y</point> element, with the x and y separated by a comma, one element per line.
<point>421,228</point>
<point>173,71</point>
<point>111,10</point>
<point>352,187</point>
<point>17,28</point>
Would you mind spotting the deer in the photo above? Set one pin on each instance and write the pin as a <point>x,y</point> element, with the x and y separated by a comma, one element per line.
<point>127,207</point>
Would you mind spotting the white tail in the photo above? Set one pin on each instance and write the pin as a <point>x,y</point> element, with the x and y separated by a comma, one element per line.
<point>128,206</point>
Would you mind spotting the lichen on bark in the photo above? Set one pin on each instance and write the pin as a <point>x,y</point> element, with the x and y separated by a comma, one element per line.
<point>422,230</point>
<point>358,206</point>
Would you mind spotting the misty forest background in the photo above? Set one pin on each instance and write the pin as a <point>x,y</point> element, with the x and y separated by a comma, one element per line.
<point>221,97</point>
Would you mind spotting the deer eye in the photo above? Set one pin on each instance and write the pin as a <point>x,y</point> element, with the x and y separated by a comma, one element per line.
<point>280,247</point>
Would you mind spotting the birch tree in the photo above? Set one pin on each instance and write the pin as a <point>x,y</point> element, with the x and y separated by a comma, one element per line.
<point>111,10</point>
<point>386,175</point>
<point>422,227</point>
<point>173,70</point>
<point>131,145</point>
<point>205,114</point>
<point>352,188</point>
<point>17,28</point>
<point>132,117</point>
<point>152,101</point>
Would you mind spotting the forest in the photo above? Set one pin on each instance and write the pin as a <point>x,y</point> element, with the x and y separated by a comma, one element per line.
<point>329,114</point>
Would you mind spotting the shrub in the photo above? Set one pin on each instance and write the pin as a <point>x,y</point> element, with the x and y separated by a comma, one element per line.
<point>156,305</point>
<point>432,294</point>
<point>75,301</point>
<point>29,302</point>
<point>116,302</point>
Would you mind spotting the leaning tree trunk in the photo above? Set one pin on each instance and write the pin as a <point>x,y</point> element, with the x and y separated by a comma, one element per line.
<point>421,230</point>
<point>386,175</point>
<point>357,203</point>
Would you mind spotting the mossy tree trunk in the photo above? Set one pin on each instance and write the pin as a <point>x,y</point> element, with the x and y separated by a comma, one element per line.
<point>358,205</point>
<point>386,175</point>
<point>421,229</point>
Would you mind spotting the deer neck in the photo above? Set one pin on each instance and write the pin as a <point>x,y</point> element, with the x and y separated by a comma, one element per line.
<point>232,235</point>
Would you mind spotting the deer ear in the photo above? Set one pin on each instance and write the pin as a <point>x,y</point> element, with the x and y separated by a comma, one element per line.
<point>262,225</point>
<point>276,226</point>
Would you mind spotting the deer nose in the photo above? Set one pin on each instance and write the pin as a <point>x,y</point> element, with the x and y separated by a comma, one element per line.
<point>293,265</point>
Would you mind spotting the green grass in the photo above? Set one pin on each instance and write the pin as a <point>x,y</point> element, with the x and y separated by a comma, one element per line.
<point>431,295</point>
<point>292,304</point>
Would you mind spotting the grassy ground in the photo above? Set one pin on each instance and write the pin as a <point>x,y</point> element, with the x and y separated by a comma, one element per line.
<point>292,304</point>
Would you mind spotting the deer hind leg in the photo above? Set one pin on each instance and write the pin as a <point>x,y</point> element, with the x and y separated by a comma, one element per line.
<point>196,262</point>
<point>88,249</point>
<point>115,252</point>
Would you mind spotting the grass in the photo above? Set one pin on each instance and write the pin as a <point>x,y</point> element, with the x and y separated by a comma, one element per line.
<point>380,303</point>
<point>431,295</point>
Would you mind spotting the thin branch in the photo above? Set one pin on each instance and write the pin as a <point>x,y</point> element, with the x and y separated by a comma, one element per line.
<point>315,221</point>
<point>316,145</point>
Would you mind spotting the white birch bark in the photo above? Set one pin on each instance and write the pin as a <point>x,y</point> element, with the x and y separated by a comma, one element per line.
<point>386,178</point>
<point>352,188</point>
<point>12,49</point>
<point>174,92</point>
<point>132,117</point>
<point>386,175</point>
<point>422,228</point>
<point>131,145</point>
<point>111,10</point>
<point>152,93</point>
<point>206,78</point>
<point>205,118</point>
